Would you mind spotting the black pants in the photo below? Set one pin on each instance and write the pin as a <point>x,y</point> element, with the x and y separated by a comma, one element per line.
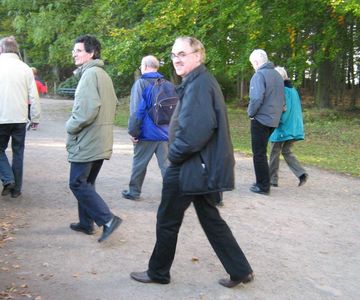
<point>259,139</point>
<point>169,218</point>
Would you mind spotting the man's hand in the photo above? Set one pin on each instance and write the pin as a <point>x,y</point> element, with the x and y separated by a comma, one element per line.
<point>134,139</point>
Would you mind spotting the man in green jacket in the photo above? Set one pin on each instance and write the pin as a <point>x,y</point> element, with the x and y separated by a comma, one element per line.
<point>90,136</point>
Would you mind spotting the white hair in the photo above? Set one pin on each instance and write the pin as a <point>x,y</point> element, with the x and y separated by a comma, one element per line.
<point>259,56</point>
<point>282,72</point>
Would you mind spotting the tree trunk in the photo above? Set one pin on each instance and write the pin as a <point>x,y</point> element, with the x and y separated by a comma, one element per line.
<point>323,92</point>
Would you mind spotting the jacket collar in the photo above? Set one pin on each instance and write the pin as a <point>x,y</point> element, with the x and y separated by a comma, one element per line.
<point>9,55</point>
<point>193,74</point>
<point>151,75</point>
<point>189,78</point>
<point>91,63</point>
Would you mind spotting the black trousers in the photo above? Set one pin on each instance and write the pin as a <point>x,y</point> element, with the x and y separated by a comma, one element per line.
<point>169,218</point>
<point>259,140</point>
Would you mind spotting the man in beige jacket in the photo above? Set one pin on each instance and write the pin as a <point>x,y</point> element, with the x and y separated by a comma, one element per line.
<point>17,89</point>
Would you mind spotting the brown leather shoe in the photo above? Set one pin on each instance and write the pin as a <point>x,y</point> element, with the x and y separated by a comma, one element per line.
<point>144,277</point>
<point>231,283</point>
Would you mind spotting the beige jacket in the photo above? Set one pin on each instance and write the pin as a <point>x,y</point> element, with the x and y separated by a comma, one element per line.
<point>17,89</point>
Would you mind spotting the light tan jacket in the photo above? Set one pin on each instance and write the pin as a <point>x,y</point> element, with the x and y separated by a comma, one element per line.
<point>17,89</point>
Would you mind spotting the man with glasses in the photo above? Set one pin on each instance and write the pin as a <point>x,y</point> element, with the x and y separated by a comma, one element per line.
<point>17,87</point>
<point>151,138</point>
<point>90,136</point>
<point>201,166</point>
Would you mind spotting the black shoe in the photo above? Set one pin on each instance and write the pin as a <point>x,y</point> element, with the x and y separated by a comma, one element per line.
<point>108,230</point>
<point>80,228</point>
<point>257,190</point>
<point>15,194</point>
<point>302,179</point>
<point>231,283</point>
<point>144,278</point>
<point>126,194</point>
<point>8,188</point>
<point>274,184</point>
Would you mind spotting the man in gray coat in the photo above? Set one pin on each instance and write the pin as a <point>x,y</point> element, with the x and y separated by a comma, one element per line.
<point>265,107</point>
<point>201,166</point>
<point>90,136</point>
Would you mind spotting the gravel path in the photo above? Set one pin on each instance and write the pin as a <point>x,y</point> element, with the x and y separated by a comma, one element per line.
<point>303,243</point>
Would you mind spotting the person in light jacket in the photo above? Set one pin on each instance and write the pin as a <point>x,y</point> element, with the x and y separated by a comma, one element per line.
<point>90,136</point>
<point>201,166</point>
<point>290,130</point>
<point>17,87</point>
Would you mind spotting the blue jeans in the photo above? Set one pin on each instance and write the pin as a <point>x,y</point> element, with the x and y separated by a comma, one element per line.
<point>259,140</point>
<point>12,173</point>
<point>91,207</point>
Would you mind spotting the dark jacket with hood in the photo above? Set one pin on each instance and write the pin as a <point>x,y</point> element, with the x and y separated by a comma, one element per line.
<point>199,136</point>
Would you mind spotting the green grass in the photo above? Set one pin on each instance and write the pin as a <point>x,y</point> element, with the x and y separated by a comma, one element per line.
<point>332,138</point>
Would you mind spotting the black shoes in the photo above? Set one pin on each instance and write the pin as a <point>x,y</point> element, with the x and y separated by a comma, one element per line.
<point>302,179</point>
<point>108,230</point>
<point>231,283</point>
<point>80,228</point>
<point>144,278</point>
<point>255,189</point>
<point>274,184</point>
<point>15,194</point>
<point>8,188</point>
<point>126,194</point>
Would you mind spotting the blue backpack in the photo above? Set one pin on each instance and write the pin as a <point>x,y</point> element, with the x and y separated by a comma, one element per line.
<point>164,100</point>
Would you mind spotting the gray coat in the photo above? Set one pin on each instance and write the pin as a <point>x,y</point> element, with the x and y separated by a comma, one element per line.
<point>267,97</point>
<point>199,136</point>
<point>90,127</point>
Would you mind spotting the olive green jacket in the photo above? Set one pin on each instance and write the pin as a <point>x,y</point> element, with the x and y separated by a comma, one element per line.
<point>90,126</point>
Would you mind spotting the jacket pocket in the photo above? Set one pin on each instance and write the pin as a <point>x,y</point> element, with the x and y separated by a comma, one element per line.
<point>193,178</point>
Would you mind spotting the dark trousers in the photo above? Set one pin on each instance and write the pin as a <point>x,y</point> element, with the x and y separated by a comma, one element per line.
<point>259,140</point>
<point>92,208</point>
<point>169,218</point>
<point>12,173</point>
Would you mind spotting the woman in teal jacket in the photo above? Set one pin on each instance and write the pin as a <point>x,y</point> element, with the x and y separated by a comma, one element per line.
<point>290,130</point>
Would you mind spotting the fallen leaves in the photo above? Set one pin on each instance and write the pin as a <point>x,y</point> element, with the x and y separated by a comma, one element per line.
<point>18,292</point>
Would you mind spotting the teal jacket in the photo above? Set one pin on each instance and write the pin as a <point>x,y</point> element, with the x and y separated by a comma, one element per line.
<point>291,126</point>
<point>90,126</point>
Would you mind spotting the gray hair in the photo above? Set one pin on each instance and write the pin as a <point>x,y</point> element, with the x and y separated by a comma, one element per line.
<point>259,55</point>
<point>9,45</point>
<point>195,44</point>
<point>151,62</point>
<point>282,72</point>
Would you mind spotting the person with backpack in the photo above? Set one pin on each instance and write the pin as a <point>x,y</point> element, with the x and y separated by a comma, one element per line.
<point>149,122</point>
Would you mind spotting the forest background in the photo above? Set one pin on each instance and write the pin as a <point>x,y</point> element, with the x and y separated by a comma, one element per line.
<point>318,42</point>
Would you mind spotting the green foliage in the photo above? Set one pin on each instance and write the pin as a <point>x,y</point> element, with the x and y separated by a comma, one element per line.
<point>70,82</point>
<point>300,35</point>
<point>332,139</point>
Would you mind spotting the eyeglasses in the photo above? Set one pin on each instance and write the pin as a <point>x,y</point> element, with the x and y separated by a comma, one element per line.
<point>77,51</point>
<point>181,55</point>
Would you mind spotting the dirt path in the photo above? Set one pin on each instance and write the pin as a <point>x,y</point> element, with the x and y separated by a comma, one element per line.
<point>303,243</point>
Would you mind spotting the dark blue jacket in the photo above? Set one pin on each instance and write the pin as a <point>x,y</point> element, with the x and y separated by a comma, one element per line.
<point>199,137</point>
